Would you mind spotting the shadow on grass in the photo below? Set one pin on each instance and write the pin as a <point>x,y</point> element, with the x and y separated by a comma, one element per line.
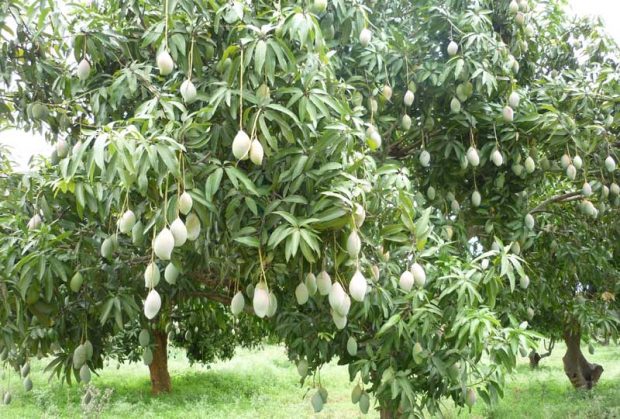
<point>211,387</point>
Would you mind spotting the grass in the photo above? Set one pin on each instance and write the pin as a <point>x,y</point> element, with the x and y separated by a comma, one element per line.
<point>546,393</point>
<point>263,384</point>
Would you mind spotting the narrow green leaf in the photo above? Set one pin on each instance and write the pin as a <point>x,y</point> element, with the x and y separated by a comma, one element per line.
<point>248,241</point>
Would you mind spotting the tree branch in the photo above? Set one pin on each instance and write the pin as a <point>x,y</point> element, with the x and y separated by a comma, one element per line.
<point>571,196</point>
<point>208,280</point>
<point>548,348</point>
<point>220,298</point>
<point>213,284</point>
<point>398,151</point>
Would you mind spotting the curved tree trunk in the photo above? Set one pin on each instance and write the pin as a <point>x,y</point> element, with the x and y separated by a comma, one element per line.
<point>160,378</point>
<point>579,371</point>
<point>535,357</point>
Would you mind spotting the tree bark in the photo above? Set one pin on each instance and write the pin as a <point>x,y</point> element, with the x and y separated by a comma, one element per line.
<point>535,357</point>
<point>581,373</point>
<point>387,413</point>
<point>571,196</point>
<point>160,378</point>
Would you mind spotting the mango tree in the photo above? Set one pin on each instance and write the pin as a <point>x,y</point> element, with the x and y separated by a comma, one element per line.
<point>66,298</point>
<point>370,176</point>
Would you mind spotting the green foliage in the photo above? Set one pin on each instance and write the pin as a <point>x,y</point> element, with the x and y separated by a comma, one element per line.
<point>307,90</point>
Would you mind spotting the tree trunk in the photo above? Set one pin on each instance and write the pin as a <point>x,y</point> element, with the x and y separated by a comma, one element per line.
<point>160,378</point>
<point>534,359</point>
<point>579,371</point>
<point>386,413</point>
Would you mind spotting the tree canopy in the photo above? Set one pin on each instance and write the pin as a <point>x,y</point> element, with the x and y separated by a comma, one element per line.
<point>403,185</point>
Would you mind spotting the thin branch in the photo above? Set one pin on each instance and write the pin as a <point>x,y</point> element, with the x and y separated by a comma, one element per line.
<point>571,196</point>
<point>213,284</point>
<point>548,348</point>
<point>220,298</point>
<point>398,151</point>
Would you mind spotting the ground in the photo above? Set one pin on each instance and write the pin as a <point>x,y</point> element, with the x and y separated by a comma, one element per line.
<point>263,384</point>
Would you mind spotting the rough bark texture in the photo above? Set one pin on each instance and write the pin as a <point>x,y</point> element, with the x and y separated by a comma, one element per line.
<point>160,378</point>
<point>579,371</point>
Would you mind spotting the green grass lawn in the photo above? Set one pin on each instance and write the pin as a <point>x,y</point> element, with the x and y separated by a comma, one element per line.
<point>263,384</point>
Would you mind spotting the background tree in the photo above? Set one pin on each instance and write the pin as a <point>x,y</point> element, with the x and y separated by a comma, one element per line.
<point>366,174</point>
